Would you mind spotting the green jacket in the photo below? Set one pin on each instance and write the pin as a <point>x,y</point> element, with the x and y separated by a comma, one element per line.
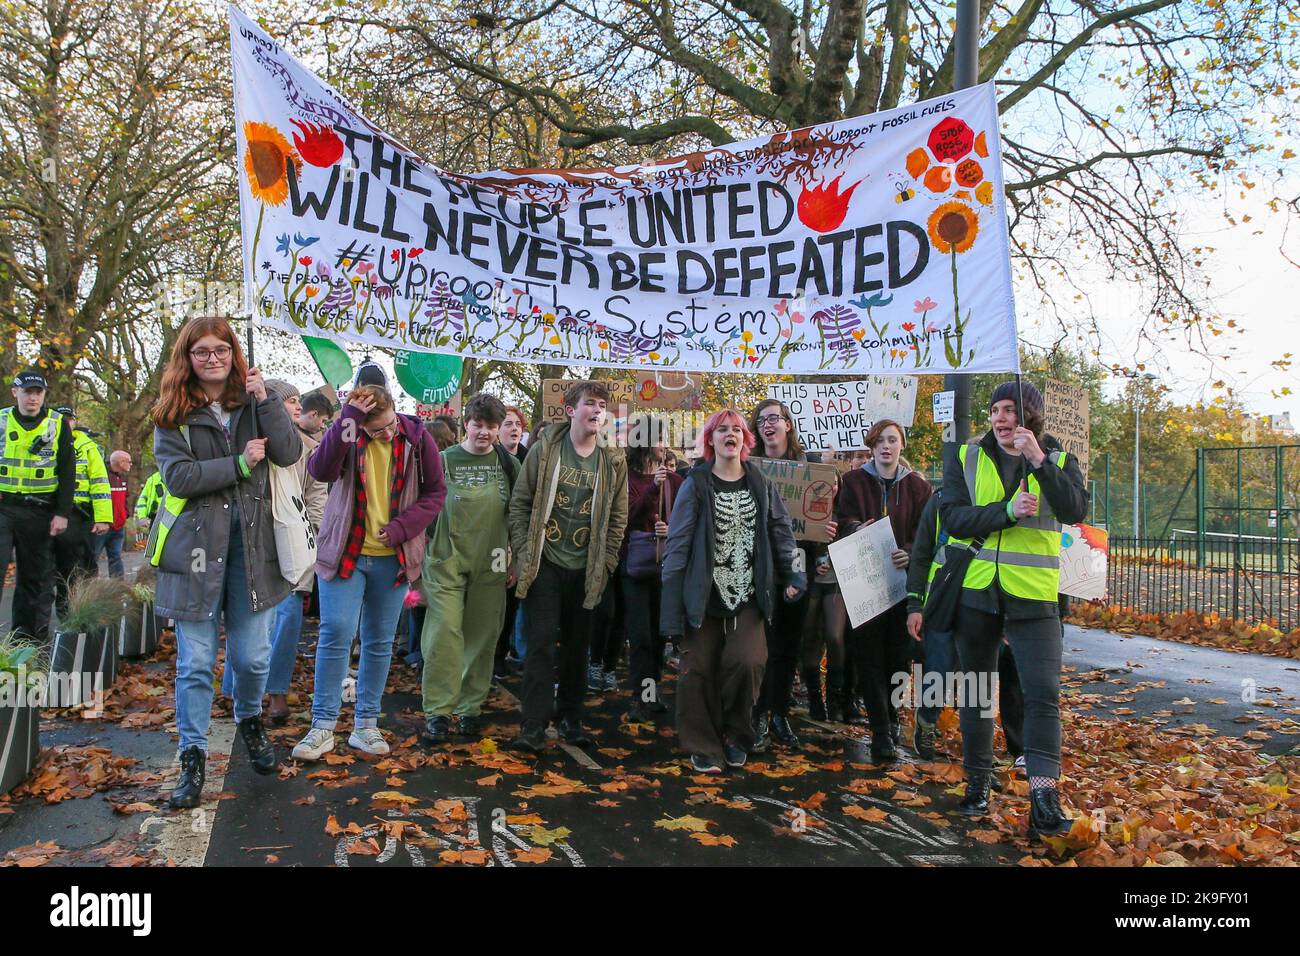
<point>534,496</point>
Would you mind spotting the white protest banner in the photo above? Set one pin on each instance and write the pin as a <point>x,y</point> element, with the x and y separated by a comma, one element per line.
<point>872,244</point>
<point>1085,554</point>
<point>870,583</point>
<point>836,416</point>
<point>943,406</point>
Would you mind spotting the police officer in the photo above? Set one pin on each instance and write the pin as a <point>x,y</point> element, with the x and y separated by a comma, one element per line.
<point>37,477</point>
<point>150,500</point>
<point>91,515</point>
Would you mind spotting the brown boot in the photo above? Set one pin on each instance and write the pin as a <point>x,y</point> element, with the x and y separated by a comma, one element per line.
<point>277,710</point>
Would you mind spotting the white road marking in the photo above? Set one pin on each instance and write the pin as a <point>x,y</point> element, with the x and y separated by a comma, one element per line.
<point>184,835</point>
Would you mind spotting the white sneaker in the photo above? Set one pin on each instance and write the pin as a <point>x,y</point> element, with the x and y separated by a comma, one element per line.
<point>349,690</point>
<point>1019,767</point>
<point>368,739</point>
<point>315,745</point>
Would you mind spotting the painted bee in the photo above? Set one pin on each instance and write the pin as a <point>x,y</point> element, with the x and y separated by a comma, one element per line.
<point>905,192</point>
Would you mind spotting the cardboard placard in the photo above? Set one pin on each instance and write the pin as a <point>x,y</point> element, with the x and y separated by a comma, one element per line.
<point>1085,555</point>
<point>870,583</point>
<point>669,391</point>
<point>1066,411</point>
<point>808,491</point>
<point>453,407</point>
<point>553,389</point>
<point>836,416</point>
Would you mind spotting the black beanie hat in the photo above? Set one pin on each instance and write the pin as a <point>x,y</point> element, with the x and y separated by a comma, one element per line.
<point>1010,392</point>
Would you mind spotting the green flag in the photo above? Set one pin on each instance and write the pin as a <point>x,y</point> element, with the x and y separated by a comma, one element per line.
<point>427,376</point>
<point>333,362</point>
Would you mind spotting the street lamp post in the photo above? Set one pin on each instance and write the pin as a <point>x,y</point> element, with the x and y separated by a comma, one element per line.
<point>1137,448</point>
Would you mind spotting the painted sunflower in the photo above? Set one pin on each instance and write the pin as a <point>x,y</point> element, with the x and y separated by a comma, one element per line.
<point>267,155</point>
<point>953,227</point>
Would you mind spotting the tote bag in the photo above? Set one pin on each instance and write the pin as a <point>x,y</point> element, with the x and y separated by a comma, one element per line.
<point>295,542</point>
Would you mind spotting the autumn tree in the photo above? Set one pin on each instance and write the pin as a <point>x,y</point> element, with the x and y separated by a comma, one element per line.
<point>114,128</point>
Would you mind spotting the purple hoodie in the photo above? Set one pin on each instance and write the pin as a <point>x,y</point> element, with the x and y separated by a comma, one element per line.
<point>423,494</point>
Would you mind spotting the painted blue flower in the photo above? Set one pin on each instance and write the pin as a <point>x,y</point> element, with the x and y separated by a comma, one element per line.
<point>304,241</point>
<point>876,301</point>
<point>282,244</point>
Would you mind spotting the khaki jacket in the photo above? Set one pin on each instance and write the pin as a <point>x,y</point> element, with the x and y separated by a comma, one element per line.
<point>534,497</point>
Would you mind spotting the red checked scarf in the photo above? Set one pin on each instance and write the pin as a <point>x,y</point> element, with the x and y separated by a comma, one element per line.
<point>357,534</point>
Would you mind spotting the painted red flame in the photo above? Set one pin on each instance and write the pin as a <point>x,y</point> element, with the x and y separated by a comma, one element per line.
<point>319,145</point>
<point>823,208</point>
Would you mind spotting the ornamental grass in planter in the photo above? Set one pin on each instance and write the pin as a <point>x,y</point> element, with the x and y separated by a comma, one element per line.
<point>83,655</point>
<point>139,628</point>
<point>22,669</point>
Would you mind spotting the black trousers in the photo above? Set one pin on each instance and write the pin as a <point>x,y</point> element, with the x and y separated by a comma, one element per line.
<point>25,539</point>
<point>880,649</point>
<point>72,558</point>
<point>607,628</point>
<point>559,635</point>
<point>506,639</point>
<point>784,637</point>
<point>645,645</point>
<point>1037,647</point>
<point>1011,702</point>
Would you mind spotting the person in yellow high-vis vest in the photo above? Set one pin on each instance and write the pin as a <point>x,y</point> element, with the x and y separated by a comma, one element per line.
<point>36,487</point>
<point>91,515</point>
<point>1012,491</point>
<point>150,500</point>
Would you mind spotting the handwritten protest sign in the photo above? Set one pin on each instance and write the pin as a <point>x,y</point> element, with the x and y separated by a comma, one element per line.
<point>669,391</point>
<point>836,416</point>
<point>622,395</point>
<point>868,579</point>
<point>1085,554</point>
<point>808,491</point>
<point>871,244</point>
<point>1066,411</point>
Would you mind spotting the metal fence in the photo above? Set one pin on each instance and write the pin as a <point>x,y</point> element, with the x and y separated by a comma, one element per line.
<point>1253,579</point>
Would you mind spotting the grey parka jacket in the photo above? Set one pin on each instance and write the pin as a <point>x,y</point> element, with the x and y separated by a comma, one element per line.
<point>205,471</point>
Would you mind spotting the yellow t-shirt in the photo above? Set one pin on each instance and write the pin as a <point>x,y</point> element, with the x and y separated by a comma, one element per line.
<point>379,492</point>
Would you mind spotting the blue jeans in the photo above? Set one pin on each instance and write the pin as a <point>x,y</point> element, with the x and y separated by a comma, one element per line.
<point>248,649</point>
<point>940,656</point>
<point>521,635</point>
<point>110,542</point>
<point>370,599</point>
<point>285,634</point>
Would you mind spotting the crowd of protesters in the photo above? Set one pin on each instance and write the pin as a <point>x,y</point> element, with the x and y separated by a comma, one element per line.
<point>554,552</point>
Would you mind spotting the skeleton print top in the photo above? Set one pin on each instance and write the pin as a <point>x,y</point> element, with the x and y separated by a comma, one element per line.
<point>735,515</point>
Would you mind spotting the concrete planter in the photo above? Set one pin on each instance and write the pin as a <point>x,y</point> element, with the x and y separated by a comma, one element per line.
<point>80,662</point>
<point>20,742</point>
<point>142,640</point>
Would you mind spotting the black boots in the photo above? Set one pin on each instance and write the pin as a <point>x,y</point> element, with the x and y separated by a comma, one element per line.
<point>836,698</point>
<point>812,679</point>
<point>883,750</point>
<point>260,751</point>
<point>189,786</point>
<point>1045,815</point>
<point>572,732</point>
<point>976,801</point>
<point>923,739</point>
